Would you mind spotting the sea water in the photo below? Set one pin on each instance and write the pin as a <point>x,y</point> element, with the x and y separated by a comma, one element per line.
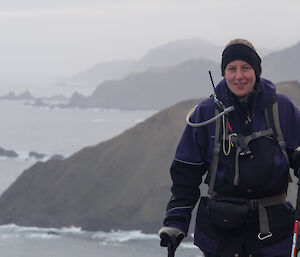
<point>50,131</point>
<point>18,241</point>
<point>25,128</point>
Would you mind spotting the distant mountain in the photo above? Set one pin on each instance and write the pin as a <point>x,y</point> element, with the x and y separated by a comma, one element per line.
<point>122,183</point>
<point>282,65</point>
<point>290,88</point>
<point>154,89</point>
<point>279,65</point>
<point>12,96</point>
<point>179,51</point>
<point>26,95</point>
<point>100,72</point>
<point>8,153</point>
<point>169,54</point>
<point>171,84</point>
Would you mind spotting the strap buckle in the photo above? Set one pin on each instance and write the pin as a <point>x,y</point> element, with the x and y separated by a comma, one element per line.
<point>257,134</point>
<point>265,236</point>
<point>253,204</point>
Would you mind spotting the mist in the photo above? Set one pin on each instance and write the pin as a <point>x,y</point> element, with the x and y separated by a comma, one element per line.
<point>44,42</point>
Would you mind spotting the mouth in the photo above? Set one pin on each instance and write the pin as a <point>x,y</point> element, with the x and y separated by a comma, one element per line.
<point>240,84</point>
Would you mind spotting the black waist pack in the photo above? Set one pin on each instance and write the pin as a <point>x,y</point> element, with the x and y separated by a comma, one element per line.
<point>228,212</point>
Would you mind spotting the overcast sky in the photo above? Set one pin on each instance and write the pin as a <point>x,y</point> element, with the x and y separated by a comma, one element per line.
<point>48,39</point>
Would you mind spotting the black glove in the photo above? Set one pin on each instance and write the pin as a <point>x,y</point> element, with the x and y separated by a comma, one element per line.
<point>171,238</point>
<point>296,161</point>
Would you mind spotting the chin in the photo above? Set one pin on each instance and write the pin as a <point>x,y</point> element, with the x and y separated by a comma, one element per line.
<point>241,94</point>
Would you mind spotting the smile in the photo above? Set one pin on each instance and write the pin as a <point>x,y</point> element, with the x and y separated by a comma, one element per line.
<point>240,84</point>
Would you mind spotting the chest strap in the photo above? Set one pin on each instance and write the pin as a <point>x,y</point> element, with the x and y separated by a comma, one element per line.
<point>273,123</point>
<point>244,141</point>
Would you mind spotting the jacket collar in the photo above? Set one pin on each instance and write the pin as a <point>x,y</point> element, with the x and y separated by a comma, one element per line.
<point>266,91</point>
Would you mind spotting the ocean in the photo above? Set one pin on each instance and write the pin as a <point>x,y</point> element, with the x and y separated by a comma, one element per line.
<point>25,128</point>
<point>18,241</point>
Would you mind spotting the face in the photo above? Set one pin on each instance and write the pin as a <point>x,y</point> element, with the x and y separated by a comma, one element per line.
<point>240,78</point>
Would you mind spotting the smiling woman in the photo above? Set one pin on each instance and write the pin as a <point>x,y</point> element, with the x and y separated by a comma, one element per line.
<point>246,159</point>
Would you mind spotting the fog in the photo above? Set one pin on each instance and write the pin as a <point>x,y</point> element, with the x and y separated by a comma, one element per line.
<point>44,41</point>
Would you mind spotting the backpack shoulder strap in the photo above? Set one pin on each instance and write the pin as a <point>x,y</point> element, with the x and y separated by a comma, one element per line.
<point>215,159</point>
<point>273,121</point>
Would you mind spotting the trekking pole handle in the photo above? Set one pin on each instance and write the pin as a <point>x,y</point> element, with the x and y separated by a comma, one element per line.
<point>297,210</point>
<point>295,235</point>
<point>296,224</point>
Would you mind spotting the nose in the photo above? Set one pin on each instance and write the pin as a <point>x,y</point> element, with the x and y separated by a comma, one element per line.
<point>239,74</point>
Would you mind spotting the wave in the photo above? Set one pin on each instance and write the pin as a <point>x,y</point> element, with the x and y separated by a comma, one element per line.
<point>31,156</point>
<point>12,231</point>
<point>16,228</point>
<point>27,156</point>
<point>119,236</point>
<point>105,238</point>
<point>123,236</point>
<point>139,120</point>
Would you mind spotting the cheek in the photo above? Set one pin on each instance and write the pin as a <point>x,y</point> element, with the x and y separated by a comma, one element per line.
<point>228,78</point>
<point>252,88</point>
<point>252,81</point>
<point>252,77</point>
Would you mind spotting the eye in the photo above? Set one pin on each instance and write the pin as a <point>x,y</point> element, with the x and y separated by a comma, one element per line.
<point>246,68</point>
<point>231,69</point>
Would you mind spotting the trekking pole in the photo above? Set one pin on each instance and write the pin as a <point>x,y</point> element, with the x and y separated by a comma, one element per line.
<point>297,218</point>
<point>171,252</point>
<point>173,243</point>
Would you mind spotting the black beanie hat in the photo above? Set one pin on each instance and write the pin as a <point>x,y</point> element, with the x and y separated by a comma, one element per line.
<point>241,52</point>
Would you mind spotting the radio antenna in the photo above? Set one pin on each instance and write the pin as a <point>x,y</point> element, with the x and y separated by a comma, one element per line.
<point>212,81</point>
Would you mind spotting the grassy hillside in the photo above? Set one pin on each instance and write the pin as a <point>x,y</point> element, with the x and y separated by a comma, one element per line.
<point>121,183</point>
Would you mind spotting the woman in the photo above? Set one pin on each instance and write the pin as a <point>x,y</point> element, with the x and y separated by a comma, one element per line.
<point>246,155</point>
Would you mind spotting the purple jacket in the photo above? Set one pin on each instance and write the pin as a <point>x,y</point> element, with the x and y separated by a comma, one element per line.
<point>193,158</point>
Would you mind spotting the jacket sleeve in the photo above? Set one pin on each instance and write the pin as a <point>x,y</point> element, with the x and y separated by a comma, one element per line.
<point>290,124</point>
<point>185,194</point>
<point>187,170</point>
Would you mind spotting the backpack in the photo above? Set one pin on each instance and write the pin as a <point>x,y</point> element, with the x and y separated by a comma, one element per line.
<point>273,128</point>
